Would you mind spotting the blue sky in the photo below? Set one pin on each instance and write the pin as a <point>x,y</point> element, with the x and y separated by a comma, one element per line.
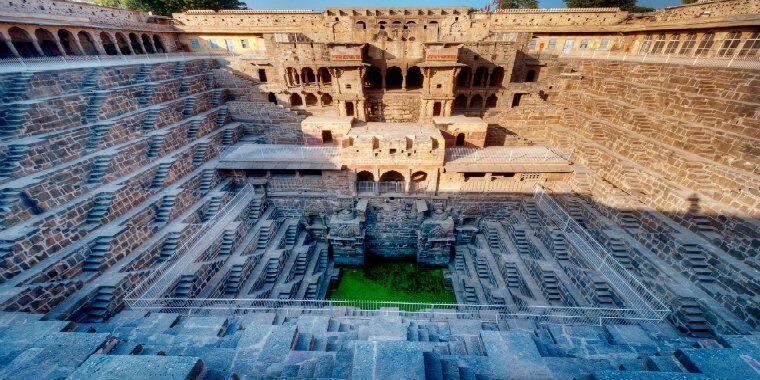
<point>321,4</point>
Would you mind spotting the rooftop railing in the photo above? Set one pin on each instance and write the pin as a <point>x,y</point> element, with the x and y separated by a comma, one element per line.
<point>748,62</point>
<point>12,65</point>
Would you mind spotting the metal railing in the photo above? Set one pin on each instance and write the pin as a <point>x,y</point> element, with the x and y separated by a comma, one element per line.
<point>364,187</point>
<point>161,277</point>
<point>12,65</point>
<point>391,186</point>
<point>733,62</point>
<point>349,308</point>
<point>627,285</point>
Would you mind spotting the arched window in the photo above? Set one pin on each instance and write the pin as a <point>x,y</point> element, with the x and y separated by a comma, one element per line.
<point>497,77</point>
<point>148,44</point>
<point>108,45</point>
<point>365,176</point>
<point>530,76</point>
<point>295,100</point>
<point>480,77</point>
<point>705,45</point>
<point>419,181</point>
<point>47,43</point>
<point>433,24</point>
<point>158,44</point>
<point>349,108</point>
<point>292,76</point>
<point>361,25</point>
<point>307,75</point>
<point>476,102</point>
<point>463,78</point>
<point>491,101</point>
<point>324,75</point>
<point>414,78</point>
<point>67,42</point>
<point>373,78</point>
<point>393,78</point>
<point>272,98</point>
<point>460,102</point>
<point>88,45</point>
<point>135,42</point>
<point>122,43</point>
<point>460,140</point>
<point>381,24</point>
<point>22,41</point>
<point>311,99</point>
<point>392,176</point>
<point>326,99</point>
<point>5,49</point>
<point>410,24</point>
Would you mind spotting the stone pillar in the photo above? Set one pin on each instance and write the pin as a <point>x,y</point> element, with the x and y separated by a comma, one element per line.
<point>78,44</point>
<point>58,44</point>
<point>382,82</point>
<point>10,46</point>
<point>36,44</point>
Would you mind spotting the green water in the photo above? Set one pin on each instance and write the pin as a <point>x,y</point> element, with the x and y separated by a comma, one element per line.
<point>392,281</point>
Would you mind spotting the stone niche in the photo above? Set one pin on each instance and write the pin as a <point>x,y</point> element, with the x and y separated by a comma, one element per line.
<point>346,235</point>
<point>462,130</point>
<point>436,235</point>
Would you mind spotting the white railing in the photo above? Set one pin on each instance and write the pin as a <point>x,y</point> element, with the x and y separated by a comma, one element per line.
<point>733,62</point>
<point>364,187</point>
<point>391,186</point>
<point>161,277</point>
<point>11,65</point>
<point>310,185</point>
<point>345,308</point>
<point>627,285</point>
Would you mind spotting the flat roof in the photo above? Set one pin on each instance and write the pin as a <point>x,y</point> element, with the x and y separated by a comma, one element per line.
<point>280,156</point>
<point>505,159</point>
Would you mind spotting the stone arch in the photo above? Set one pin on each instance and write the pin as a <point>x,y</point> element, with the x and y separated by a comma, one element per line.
<point>87,43</point>
<point>410,24</point>
<point>109,46</point>
<point>349,108</point>
<point>272,98</point>
<point>463,78</point>
<point>497,77</point>
<point>365,176</point>
<point>5,48</point>
<point>373,78</point>
<point>135,43</point>
<point>393,78</point>
<point>307,75</point>
<point>460,102</point>
<point>148,44</point>
<point>481,74</point>
<point>382,24</point>
<point>68,43</point>
<point>323,74</point>
<point>158,44</point>
<point>433,24</point>
<point>327,99</point>
<point>361,25</point>
<point>295,100</point>
<point>414,78</point>
<point>311,99</point>
<point>122,44</point>
<point>47,43</point>
<point>476,102</point>
<point>392,176</point>
<point>459,140</point>
<point>491,101</point>
<point>419,176</point>
<point>22,41</point>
